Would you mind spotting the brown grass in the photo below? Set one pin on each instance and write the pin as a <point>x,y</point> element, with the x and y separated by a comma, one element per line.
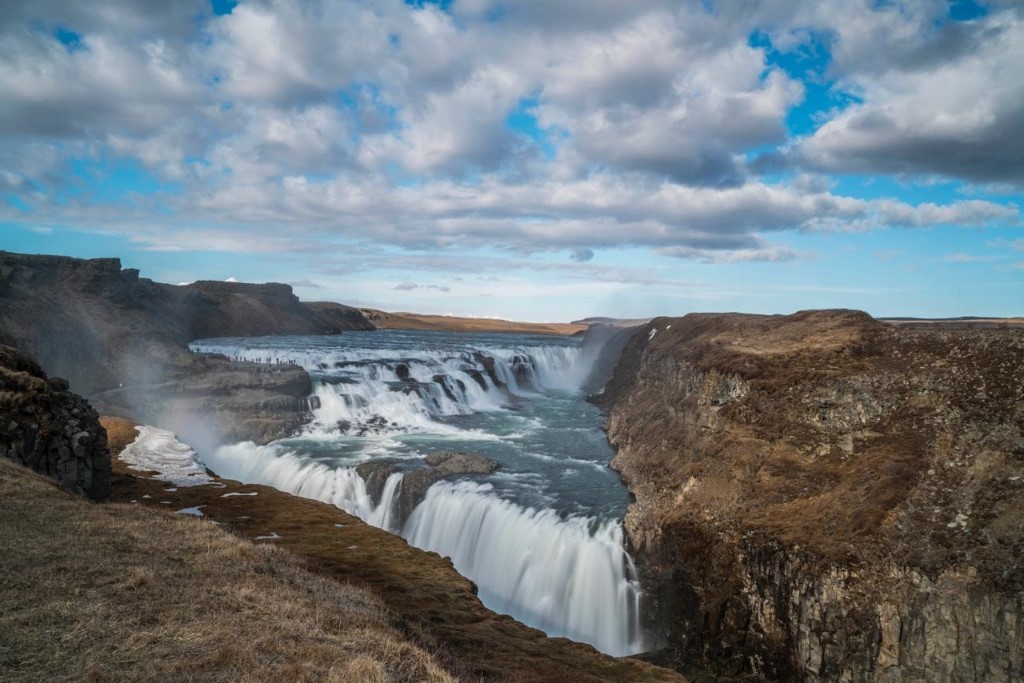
<point>120,433</point>
<point>117,592</point>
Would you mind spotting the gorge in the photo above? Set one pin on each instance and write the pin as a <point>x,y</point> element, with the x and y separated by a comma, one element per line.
<point>824,497</point>
<point>820,496</point>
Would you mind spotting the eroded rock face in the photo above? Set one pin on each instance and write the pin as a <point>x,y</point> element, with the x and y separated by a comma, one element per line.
<point>212,400</point>
<point>49,429</point>
<point>604,344</point>
<point>822,497</point>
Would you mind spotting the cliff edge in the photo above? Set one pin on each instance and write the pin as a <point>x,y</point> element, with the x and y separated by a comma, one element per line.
<point>824,497</point>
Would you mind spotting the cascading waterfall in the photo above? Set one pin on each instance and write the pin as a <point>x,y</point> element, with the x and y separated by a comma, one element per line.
<point>565,572</point>
<point>409,391</point>
<point>285,471</point>
<point>558,575</point>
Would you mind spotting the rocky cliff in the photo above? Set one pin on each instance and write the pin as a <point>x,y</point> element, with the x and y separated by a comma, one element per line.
<point>49,429</point>
<point>122,341</point>
<point>102,326</point>
<point>824,497</point>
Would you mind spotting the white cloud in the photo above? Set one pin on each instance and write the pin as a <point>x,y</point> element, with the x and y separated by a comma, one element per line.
<point>1012,245</point>
<point>947,101</point>
<point>963,257</point>
<point>286,126</point>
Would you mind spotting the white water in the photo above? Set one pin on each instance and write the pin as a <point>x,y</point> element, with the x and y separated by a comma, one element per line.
<point>545,570</point>
<point>342,487</point>
<point>361,385</point>
<point>554,574</point>
<point>565,572</point>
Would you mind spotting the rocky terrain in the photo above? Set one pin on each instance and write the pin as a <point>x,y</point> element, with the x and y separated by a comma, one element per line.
<point>964,323</point>
<point>49,429</point>
<point>824,497</point>
<point>122,341</point>
<point>604,344</point>
<point>212,400</point>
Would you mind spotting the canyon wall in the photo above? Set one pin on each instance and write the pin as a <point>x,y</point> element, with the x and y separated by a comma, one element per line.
<point>121,340</point>
<point>100,325</point>
<point>824,497</point>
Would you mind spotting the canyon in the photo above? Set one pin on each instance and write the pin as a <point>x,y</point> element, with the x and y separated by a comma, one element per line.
<point>121,341</point>
<point>818,497</point>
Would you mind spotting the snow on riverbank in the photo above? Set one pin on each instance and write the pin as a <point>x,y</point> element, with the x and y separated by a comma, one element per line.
<point>158,450</point>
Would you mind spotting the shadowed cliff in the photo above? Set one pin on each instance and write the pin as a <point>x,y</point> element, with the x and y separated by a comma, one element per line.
<point>49,429</point>
<point>100,325</point>
<point>122,341</point>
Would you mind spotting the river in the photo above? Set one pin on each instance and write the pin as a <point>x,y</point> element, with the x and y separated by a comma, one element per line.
<point>541,536</point>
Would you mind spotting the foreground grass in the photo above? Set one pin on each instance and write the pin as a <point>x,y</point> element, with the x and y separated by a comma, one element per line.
<point>116,592</point>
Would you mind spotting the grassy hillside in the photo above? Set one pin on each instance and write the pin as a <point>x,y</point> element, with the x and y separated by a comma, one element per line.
<point>120,592</point>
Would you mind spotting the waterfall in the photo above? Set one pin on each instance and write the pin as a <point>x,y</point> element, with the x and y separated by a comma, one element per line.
<point>557,575</point>
<point>402,391</point>
<point>568,577</point>
<point>288,472</point>
<point>562,569</point>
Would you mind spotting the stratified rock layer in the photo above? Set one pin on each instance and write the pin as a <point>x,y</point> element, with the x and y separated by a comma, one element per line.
<point>211,400</point>
<point>823,497</point>
<point>49,429</point>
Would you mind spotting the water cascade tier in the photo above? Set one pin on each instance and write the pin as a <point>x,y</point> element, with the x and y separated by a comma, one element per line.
<point>541,535</point>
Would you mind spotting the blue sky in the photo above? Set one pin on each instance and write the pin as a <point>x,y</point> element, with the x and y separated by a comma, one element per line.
<point>538,161</point>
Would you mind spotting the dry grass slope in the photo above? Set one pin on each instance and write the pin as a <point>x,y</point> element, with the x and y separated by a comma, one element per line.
<point>117,592</point>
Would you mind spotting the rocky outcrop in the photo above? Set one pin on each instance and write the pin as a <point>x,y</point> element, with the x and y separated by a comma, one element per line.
<point>415,482</point>
<point>603,345</point>
<point>213,400</point>
<point>335,316</point>
<point>49,429</point>
<point>823,497</point>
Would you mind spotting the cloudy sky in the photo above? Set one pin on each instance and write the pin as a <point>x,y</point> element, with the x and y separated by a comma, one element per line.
<point>547,159</point>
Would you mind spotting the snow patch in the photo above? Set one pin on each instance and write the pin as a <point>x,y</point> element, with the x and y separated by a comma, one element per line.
<point>158,450</point>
